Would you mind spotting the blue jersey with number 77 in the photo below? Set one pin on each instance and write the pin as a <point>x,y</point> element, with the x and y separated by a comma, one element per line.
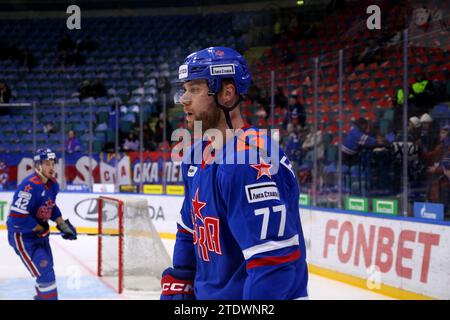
<point>240,226</point>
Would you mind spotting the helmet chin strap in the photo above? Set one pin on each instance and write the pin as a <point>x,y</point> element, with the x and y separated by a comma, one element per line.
<point>41,175</point>
<point>227,110</point>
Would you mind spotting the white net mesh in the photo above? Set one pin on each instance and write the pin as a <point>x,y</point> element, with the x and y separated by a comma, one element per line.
<point>144,255</point>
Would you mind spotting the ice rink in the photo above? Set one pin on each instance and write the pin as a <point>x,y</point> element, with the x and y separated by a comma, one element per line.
<point>76,265</point>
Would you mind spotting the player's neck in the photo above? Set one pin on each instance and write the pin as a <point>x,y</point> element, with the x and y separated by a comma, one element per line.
<point>237,123</point>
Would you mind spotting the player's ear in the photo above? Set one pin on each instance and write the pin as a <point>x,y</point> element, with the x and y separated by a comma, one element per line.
<point>227,92</point>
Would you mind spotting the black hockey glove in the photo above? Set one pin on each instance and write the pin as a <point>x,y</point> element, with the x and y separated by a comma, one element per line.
<point>67,230</point>
<point>45,232</point>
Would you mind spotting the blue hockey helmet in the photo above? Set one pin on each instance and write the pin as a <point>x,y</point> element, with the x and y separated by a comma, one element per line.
<point>215,64</point>
<point>44,154</point>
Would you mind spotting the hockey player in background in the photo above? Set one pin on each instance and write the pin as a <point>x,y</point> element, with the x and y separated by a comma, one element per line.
<point>28,229</point>
<point>239,235</point>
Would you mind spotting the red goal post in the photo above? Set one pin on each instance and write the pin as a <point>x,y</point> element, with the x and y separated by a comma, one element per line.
<point>131,255</point>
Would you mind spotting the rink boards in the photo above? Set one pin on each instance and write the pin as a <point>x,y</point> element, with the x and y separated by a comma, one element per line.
<point>399,257</point>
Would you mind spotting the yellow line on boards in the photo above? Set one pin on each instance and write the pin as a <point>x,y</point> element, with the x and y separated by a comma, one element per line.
<point>384,289</point>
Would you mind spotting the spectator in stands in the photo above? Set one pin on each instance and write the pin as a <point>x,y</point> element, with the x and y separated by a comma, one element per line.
<point>5,92</point>
<point>72,143</point>
<point>310,142</point>
<point>49,128</point>
<point>356,139</point>
<point>98,89</point>
<point>164,88</point>
<point>414,128</point>
<point>264,101</point>
<point>423,93</point>
<point>443,187</point>
<point>159,129</point>
<point>85,90</point>
<point>149,136</point>
<point>434,156</point>
<point>440,176</point>
<point>131,143</point>
<point>429,133</point>
<point>296,110</point>
<point>292,146</point>
<point>280,98</point>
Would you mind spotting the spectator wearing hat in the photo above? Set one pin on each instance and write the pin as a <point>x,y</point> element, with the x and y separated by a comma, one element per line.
<point>414,129</point>
<point>429,136</point>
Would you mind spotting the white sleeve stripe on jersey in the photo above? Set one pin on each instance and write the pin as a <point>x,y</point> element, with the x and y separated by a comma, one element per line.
<point>270,246</point>
<point>19,210</point>
<point>47,287</point>
<point>180,222</point>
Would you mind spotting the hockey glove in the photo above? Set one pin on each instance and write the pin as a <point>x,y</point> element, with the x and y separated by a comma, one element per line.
<point>43,230</point>
<point>177,284</point>
<point>67,230</point>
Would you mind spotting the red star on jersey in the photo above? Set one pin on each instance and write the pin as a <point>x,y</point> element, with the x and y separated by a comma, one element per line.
<point>263,169</point>
<point>198,205</point>
<point>27,188</point>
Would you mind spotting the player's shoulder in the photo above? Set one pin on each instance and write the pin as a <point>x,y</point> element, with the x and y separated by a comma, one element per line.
<point>32,180</point>
<point>253,148</point>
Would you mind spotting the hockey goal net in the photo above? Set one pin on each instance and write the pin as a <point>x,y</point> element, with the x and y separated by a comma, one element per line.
<point>131,255</point>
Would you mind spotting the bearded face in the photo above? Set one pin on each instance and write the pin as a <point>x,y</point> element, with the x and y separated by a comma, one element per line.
<point>198,105</point>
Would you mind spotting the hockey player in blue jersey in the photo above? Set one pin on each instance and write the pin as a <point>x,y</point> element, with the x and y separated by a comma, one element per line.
<point>32,207</point>
<point>239,234</point>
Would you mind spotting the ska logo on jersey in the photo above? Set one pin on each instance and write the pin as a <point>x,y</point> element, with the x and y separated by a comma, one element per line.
<point>27,188</point>
<point>206,230</point>
<point>45,211</point>
<point>263,169</point>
